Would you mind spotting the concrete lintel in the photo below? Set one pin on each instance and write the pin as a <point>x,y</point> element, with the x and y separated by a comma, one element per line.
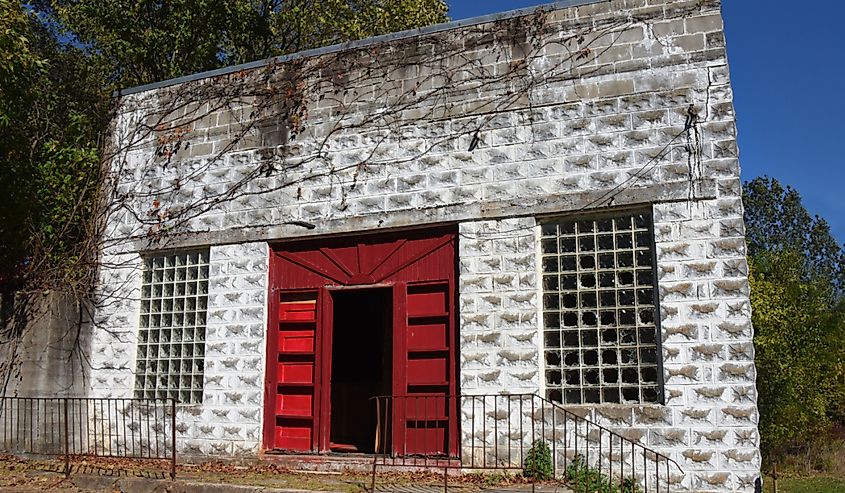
<point>371,223</point>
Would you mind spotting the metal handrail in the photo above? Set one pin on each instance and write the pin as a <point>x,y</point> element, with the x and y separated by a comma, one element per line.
<point>500,432</point>
<point>648,454</point>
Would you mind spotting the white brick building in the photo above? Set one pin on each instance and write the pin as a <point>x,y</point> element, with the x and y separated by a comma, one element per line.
<point>543,202</point>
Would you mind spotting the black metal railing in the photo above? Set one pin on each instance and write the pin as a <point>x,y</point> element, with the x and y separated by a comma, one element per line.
<point>518,432</point>
<point>73,427</point>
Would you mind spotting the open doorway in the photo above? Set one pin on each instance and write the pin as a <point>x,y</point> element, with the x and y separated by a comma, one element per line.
<point>361,366</point>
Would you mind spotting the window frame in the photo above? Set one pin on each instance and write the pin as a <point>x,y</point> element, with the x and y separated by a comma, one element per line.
<point>541,221</point>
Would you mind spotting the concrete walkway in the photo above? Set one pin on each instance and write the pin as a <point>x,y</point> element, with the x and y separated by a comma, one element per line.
<point>97,484</point>
<point>149,485</point>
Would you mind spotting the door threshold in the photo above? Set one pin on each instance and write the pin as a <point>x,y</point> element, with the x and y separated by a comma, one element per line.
<point>321,454</point>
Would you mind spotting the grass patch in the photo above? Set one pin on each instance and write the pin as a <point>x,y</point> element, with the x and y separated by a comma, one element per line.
<point>816,468</point>
<point>810,484</point>
<point>822,458</point>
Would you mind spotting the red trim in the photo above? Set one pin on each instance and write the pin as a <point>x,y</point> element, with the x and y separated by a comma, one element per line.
<point>331,256</point>
<point>400,370</point>
<point>308,265</point>
<point>413,260</point>
<point>270,388</point>
<point>399,244</point>
<point>324,403</point>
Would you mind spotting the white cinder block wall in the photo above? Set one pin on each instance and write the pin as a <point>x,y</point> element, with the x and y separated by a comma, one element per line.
<point>644,114</point>
<point>228,421</point>
<point>709,422</point>
<point>499,307</point>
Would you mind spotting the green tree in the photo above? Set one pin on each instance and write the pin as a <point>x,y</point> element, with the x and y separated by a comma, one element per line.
<point>798,341</point>
<point>53,109</point>
<point>19,67</point>
<point>146,41</point>
<point>18,63</point>
<point>798,317</point>
<point>776,220</point>
<point>61,59</point>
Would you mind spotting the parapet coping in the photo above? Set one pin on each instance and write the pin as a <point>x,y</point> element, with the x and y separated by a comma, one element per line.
<point>351,45</point>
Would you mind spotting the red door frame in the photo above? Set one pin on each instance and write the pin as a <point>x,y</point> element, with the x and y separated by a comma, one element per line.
<point>324,403</point>
<point>395,272</point>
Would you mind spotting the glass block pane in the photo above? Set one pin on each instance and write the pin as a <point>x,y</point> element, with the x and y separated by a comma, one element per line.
<point>599,299</point>
<point>171,339</point>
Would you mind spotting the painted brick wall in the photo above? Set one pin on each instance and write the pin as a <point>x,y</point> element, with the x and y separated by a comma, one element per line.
<point>604,105</point>
<point>228,422</point>
<point>500,341</point>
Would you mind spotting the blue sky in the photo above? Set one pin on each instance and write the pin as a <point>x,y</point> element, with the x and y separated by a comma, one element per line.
<point>788,72</point>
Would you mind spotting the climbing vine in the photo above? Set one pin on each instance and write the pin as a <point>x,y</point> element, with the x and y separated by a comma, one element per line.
<point>272,130</point>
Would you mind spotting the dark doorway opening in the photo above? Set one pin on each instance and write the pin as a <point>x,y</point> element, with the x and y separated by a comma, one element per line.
<point>361,366</point>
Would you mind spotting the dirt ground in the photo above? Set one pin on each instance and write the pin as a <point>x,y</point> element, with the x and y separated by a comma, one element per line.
<point>21,475</point>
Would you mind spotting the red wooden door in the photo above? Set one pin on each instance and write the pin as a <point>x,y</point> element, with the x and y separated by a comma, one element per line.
<point>292,371</point>
<point>420,267</point>
<point>425,415</point>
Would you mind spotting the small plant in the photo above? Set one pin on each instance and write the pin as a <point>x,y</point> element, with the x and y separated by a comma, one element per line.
<point>584,479</point>
<point>630,485</point>
<point>538,462</point>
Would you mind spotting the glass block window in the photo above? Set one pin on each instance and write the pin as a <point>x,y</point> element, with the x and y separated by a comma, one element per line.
<point>599,310</point>
<point>171,336</point>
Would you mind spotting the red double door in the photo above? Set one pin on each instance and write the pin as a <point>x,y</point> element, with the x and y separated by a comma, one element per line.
<point>381,310</point>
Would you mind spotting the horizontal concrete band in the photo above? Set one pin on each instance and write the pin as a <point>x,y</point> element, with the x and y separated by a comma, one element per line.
<point>562,204</point>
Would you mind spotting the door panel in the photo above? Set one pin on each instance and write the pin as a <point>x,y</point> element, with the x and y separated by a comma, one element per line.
<point>428,334</point>
<point>294,435</point>
<point>427,363</point>
<point>295,402</point>
<point>425,417</point>
<point>296,371</point>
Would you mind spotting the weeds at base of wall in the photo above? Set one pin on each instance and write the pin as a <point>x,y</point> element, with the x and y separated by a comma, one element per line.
<point>579,476</point>
<point>490,480</point>
<point>538,462</point>
<point>582,478</point>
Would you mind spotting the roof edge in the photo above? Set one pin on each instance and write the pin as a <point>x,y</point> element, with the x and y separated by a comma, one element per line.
<point>351,45</point>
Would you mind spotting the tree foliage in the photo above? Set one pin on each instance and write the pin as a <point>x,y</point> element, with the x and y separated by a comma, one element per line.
<point>18,63</point>
<point>53,109</point>
<point>776,221</point>
<point>60,60</point>
<point>799,340</point>
<point>146,41</point>
<point>798,316</point>
<point>18,67</point>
